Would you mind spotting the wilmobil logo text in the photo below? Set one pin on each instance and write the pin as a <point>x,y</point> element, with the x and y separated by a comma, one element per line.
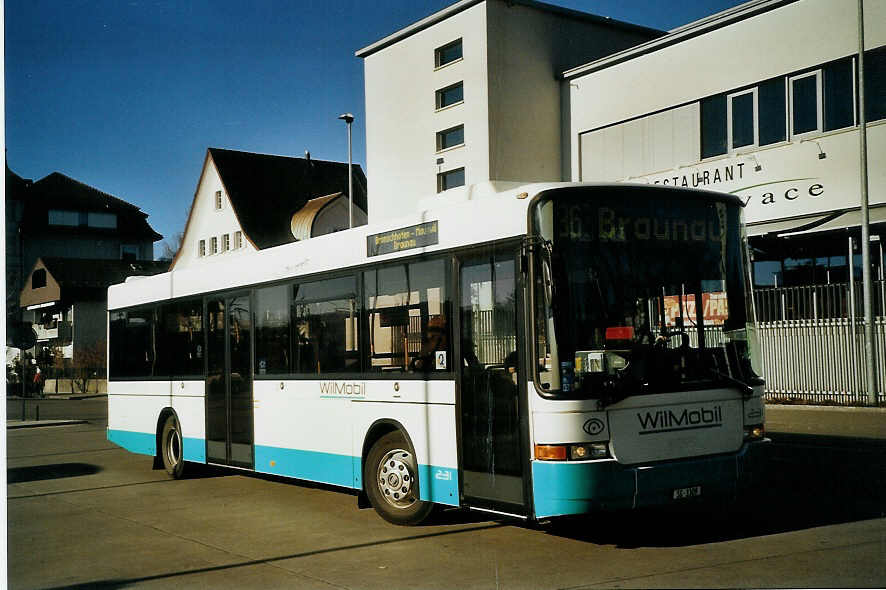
<point>341,389</point>
<point>676,420</point>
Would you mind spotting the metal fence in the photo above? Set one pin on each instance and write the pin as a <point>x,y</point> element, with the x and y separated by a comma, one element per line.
<point>812,343</point>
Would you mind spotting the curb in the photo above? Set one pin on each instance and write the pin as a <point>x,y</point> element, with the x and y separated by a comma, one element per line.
<point>61,396</point>
<point>15,425</point>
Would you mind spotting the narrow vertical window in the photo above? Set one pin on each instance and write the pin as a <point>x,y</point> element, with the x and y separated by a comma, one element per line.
<point>238,240</point>
<point>272,347</point>
<point>742,114</point>
<point>226,242</point>
<point>201,248</point>
<point>875,84</point>
<point>805,103</point>
<point>213,245</point>
<point>772,109</point>
<point>839,95</point>
<point>713,126</point>
<point>218,200</point>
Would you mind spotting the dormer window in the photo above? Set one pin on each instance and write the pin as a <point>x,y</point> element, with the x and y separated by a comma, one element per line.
<point>218,200</point>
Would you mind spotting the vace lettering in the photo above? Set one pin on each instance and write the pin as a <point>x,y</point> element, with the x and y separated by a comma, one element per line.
<point>771,196</point>
<point>762,195</point>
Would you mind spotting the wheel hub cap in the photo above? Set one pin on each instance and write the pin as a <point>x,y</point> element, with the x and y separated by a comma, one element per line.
<point>396,477</point>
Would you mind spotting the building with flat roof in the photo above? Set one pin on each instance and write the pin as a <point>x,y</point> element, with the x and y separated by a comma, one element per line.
<point>470,94</point>
<point>760,101</point>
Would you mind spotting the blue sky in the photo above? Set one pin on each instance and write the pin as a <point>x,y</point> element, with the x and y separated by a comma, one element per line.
<point>126,95</point>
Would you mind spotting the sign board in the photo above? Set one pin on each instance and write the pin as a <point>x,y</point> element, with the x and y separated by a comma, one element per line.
<point>715,312</point>
<point>405,238</point>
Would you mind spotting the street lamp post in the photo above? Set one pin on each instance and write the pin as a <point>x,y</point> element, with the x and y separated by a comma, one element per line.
<point>867,284</point>
<point>348,118</point>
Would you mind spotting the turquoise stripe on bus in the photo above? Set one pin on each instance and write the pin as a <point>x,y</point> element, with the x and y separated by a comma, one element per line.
<point>311,465</point>
<point>437,484</point>
<point>135,442</point>
<point>194,449</point>
<point>577,488</point>
<point>143,443</point>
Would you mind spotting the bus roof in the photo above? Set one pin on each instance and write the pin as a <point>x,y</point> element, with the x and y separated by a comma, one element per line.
<point>473,214</point>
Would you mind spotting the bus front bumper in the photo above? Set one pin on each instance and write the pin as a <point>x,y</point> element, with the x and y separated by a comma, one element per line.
<point>563,487</point>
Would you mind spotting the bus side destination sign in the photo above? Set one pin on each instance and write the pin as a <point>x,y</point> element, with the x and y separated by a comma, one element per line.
<point>405,238</point>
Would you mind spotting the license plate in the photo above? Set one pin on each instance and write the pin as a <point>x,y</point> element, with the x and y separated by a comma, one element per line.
<point>683,493</point>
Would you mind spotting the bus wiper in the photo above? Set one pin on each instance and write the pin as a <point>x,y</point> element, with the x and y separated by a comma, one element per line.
<point>746,390</point>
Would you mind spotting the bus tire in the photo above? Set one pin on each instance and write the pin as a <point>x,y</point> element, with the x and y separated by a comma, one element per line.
<point>391,477</point>
<point>171,448</point>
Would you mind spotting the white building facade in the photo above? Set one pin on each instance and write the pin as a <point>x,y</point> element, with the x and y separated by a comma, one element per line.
<point>760,101</point>
<point>212,229</point>
<point>471,94</point>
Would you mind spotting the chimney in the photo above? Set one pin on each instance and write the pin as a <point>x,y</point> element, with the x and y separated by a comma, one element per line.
<point>307,155</point>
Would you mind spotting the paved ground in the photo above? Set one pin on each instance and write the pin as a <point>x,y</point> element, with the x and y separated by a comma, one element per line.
<point>84,514</point>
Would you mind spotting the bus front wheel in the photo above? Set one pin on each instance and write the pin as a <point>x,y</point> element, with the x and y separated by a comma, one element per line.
<point>171,448</point>
<point>391,477</point>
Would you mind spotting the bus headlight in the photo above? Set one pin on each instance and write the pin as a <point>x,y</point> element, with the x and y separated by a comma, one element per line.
<point>754,432</point>
<point>588,451</point>
<point>579,452</point>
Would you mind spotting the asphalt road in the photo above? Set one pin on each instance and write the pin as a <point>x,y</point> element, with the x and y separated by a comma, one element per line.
<point>83,513</point>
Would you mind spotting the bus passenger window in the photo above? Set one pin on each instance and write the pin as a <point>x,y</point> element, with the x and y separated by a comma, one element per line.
<point>133,346</point>
<point>180,335</point>
<point>407,314</point>
<point>272,330</point>
<point>325,334</point>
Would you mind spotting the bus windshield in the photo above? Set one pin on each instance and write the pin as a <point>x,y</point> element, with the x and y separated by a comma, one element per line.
<point>639,290</point>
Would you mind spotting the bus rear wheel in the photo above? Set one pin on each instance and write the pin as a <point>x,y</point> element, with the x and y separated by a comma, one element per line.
<point>171,448</point>
<point>391,477</point>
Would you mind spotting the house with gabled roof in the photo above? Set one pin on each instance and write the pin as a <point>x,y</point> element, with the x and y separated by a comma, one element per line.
<point>66,301</point>
<point>62,217</point>
<point>66,242</point>
<point>245,202</point>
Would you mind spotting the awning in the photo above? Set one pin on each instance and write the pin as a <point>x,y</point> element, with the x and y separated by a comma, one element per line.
<point>775,228</point>
<point>846,220</point>
<point>816,223</point>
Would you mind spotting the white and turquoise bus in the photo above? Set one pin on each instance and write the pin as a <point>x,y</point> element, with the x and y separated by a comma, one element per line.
<point>548,350</point>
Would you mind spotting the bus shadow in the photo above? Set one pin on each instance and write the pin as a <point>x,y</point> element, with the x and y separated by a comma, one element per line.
<point>812,481</point>
<point>52,471</point>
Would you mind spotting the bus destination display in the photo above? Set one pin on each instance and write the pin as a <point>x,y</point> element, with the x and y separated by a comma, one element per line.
<point>405,238</point>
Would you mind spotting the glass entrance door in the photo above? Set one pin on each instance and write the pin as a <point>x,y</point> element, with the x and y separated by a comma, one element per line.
<point>489,378</point>
<point>229,419</point>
